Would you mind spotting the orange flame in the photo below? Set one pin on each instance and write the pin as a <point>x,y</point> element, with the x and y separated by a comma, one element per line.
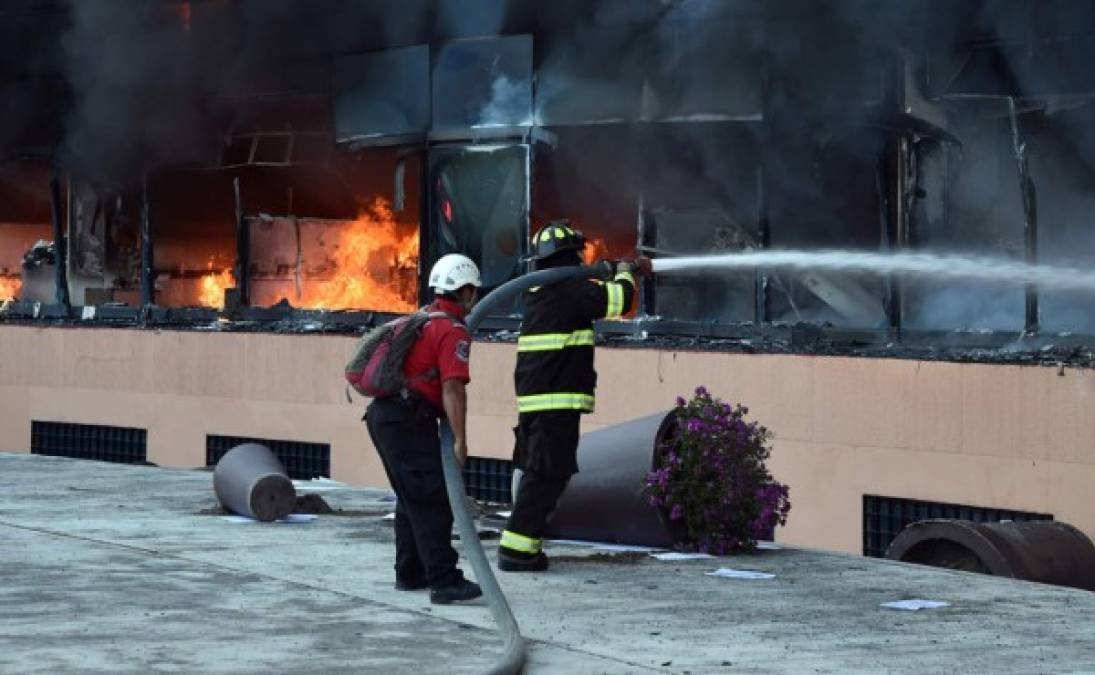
<point>9,287</point>
<point>595,250</point>
<point>369,258</point>
<point>213,286</point>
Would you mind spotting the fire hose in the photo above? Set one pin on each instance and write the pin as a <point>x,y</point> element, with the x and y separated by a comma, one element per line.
<point>513,654</point>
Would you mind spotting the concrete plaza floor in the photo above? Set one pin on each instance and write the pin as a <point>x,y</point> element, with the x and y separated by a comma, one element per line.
<point>109,568</point>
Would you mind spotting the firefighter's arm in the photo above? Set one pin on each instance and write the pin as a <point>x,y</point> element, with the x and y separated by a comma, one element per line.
<point>619,292</point>
<point>454,396</point>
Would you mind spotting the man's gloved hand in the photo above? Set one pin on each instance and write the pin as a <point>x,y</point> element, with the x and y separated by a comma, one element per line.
<point>641,266</point>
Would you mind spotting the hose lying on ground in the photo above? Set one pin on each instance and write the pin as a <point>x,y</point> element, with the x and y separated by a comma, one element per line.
<point>513,655</point>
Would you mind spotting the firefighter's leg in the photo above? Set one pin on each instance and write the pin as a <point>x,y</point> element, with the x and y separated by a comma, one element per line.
<point>546,453</point>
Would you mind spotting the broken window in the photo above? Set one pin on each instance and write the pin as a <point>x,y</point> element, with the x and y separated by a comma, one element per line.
<point>382,94</point>
<point>480,208</point>
<point>702,196</point>
<point>982,216</point>
<point>1061,152</point>
<point>828,195</point>
<point>482,84</point>
<point>194,240</point>
<point>26,233</point>
<point>590,75</point>
<point>590,175</point>
<point>347,246</point>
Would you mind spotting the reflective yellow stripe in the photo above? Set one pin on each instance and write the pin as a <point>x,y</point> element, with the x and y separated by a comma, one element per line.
<point>625,276</point>
<point>542,402</point>
<point>615,300</point>
<point>519,542</point>
<point>555,341</point>
<point>560,233</point>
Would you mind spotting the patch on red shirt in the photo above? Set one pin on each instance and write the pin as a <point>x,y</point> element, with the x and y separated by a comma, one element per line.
<point>463,350</point>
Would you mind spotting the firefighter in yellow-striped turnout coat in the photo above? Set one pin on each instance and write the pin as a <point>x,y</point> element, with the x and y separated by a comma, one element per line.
<point>555,383</point>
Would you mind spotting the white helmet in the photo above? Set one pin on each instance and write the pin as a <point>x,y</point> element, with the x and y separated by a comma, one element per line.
<point>452,272</point>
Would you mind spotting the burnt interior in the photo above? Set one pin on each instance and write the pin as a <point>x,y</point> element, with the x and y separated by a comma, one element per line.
<point>326,166</point>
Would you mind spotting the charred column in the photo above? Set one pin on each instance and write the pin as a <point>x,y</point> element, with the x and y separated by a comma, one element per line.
<point>148,294</point>
<point>59,241</point>
<point>243,250</point>
<point>1030,214</point>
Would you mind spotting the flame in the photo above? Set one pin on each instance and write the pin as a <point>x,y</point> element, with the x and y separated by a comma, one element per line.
<point>595,250</point>
<point>213,286</point>
<point>368,258</point>
<point>9,287</point>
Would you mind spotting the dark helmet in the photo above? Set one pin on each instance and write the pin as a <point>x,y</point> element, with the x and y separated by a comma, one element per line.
<point>555,237</point>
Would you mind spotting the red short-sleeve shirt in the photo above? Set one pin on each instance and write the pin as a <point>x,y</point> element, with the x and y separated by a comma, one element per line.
<point>444,345</point>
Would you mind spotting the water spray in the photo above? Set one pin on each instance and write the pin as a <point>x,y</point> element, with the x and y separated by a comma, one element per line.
<point>997,270</point>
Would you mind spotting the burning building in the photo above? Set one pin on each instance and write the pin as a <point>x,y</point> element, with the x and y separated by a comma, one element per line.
<point>203,201</point>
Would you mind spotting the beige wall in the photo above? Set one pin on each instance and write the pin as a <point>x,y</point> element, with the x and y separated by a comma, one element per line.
<point>997,436</point>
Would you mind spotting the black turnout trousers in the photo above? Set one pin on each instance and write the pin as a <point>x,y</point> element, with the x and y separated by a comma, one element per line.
<point>547,453</point>
<point>405,434</point>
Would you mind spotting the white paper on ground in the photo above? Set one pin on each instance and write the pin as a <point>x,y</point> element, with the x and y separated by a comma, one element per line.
<point>739,574</point>
<point>388,516</point>
<point>676,555</point>
<point>766,546</point>
<point>604,546</point>
<point>504,514</point>
<point>318,485</point>
<point>291,518</point>
<point>915,604</point>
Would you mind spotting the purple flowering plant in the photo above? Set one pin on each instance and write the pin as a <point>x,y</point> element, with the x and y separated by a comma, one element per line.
<point>710,478</point>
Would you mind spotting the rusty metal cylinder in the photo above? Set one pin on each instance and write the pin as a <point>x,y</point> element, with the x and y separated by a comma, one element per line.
<point>1045,551</point>
<point>249,480</point>
<point>607,499</point>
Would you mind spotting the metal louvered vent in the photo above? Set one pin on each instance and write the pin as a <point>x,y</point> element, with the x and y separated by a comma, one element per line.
<point>489,480</point>
<point>301,460</point>
<point>122,445</point>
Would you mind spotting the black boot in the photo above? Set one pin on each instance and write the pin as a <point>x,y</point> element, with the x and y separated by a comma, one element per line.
<point>516,561</point>
<point>459,592</point>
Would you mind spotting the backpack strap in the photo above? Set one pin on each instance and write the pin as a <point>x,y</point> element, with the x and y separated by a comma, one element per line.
<point>432,373</point>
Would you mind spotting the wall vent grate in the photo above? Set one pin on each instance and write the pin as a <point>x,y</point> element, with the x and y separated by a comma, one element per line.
<point>302,461</point>
<point>121,445</point>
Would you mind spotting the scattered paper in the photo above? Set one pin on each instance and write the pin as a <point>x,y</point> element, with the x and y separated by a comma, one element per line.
<point>766,546</point>
<point>504,514</point>
<point>318,485</point>
<point>676,555</point>
<point>605,546</point>
<point>291,518</point>
<point>739,574</point>
<point>389,516</point>
<point>915,604</point>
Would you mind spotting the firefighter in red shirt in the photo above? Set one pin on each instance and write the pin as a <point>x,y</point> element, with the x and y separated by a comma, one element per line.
<point>404,429</point>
